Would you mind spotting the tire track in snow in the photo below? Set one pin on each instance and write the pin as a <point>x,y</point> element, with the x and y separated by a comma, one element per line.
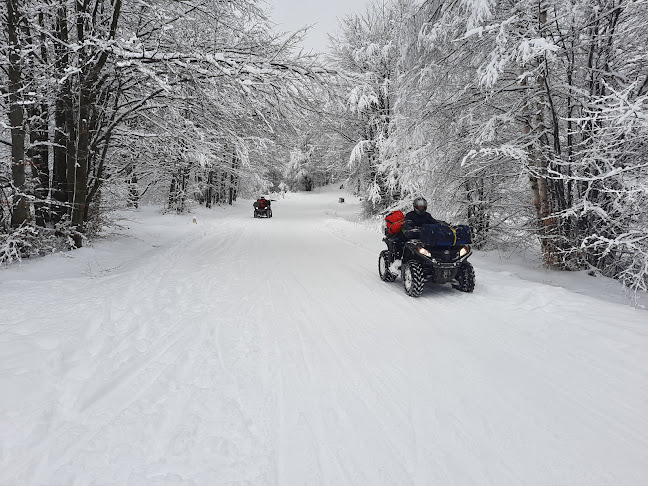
<point>135,365</point>
<point>325,347</point>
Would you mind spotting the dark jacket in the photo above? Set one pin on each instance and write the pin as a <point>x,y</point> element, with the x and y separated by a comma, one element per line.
<point>415,220</point>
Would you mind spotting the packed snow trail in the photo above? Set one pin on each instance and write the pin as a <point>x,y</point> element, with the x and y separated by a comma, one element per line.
<point>269,352</point>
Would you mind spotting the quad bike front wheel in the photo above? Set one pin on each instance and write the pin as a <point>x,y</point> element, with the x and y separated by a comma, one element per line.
<point>413,279</point>
<point>384,262</point>
<point>465,279</point>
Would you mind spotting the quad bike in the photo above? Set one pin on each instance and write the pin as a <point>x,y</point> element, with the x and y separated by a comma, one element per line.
<point>263,212</point>
<point>421,263</point>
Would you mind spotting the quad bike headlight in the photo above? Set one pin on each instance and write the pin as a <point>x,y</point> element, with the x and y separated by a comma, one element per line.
<point>423,251</point>
<point>464,251</point>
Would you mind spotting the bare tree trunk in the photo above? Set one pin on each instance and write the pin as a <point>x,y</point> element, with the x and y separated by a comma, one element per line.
<point>223,187</point>
<point>230,185</point>
<point>133,189</point>
<point>37,121</point>
<point>539,155</point>
<point>478,215</point>
<point>62,115</point>
<point>209,192</point>
<point>70,150</point>
<point>82,161</point>
<point>173,193</point>
<point>39,154</point>
<point>20,206</point>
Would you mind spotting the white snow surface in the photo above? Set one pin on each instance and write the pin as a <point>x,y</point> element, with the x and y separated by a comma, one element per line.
<point>268,352</point>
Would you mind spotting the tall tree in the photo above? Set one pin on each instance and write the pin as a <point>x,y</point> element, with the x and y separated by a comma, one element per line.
<point>366,55</point>
<point>14,22</point>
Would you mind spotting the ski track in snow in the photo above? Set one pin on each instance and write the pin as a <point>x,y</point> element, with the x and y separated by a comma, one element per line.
<point>247,351</point>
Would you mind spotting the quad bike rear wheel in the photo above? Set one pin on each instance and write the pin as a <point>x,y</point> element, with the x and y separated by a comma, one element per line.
<point>384,262</point>
<point>413,278</point>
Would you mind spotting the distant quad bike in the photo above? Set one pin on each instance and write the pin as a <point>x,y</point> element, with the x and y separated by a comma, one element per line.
<point>435,253</point>
<point>262,208</point>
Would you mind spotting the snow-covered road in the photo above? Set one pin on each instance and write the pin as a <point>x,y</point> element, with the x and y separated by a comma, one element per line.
<point>268,352</point>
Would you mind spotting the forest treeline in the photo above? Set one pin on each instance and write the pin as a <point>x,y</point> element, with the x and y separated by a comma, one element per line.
<point>527,119</point>
<point>159,92</point>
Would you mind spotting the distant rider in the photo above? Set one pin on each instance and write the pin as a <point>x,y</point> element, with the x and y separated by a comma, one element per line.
<point>262,203</point>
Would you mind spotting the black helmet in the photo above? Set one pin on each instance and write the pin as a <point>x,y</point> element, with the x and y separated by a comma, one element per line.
<point>420,205</point>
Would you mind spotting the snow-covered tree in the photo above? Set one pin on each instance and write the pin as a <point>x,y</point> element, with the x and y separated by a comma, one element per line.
<point>105,74</point>
<point>366,56</point>
<point>551,91</point>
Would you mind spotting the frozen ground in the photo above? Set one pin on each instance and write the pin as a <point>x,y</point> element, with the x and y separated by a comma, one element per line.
<point>268,352</point>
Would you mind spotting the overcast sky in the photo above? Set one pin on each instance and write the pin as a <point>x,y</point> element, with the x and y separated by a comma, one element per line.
<point>294,14</point>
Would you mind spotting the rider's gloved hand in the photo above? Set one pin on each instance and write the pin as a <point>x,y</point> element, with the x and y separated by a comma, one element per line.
<point>412,233</point>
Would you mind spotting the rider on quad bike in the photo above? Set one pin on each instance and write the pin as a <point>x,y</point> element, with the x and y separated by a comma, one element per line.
<point>411,223</point>
<point>262,208</point>
<point>419,216</point>
<point>428,250</point>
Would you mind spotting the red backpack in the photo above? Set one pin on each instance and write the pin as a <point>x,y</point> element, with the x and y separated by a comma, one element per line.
<point>394,222</point>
